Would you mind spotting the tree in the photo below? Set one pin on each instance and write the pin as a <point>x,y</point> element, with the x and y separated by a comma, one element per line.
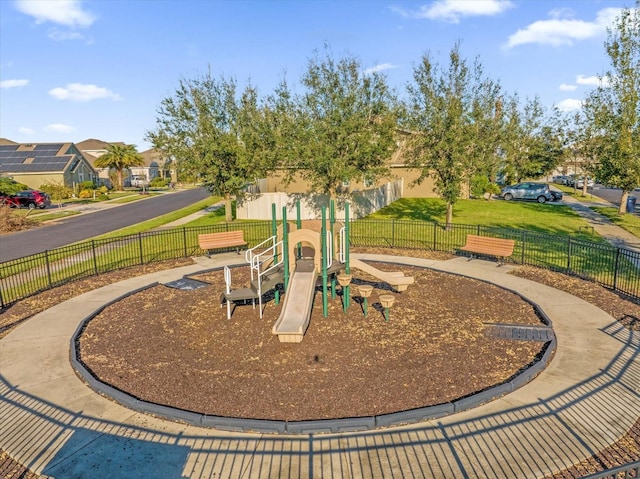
<point>583,145</point>
<point>452,117</point>
<point>614,106</point>
<point>213,134</point>
<point>9,186</point>
<point>344,126</point>
<point>119,157</point>
<point>531,141</point>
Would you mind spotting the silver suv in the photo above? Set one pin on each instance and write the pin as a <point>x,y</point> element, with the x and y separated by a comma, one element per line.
<point>539,192</point>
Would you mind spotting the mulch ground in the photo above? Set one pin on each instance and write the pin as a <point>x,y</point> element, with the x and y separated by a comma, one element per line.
<point>389,357</point>
<point>178,348</point>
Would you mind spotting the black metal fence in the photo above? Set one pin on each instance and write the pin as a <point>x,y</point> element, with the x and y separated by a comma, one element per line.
<point>614,268</point>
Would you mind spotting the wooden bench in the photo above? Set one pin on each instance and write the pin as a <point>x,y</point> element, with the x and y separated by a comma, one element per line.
<point>225,239</point>
<point>486,245</point>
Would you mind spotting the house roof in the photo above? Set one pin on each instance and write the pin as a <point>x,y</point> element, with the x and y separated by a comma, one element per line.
<point>38,157</point>
<point>6,141</point>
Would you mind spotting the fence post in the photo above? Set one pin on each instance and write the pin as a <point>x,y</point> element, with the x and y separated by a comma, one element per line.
<point>140,247</point>
<point>435,235</point>
<point>95,259</point>
<point>184,240</point>
<point>615,270</point>
<point>1,300</point>
<point>524,244</point>
<point>46,260</point>
<point>568,253</point>
<point>393,233</point>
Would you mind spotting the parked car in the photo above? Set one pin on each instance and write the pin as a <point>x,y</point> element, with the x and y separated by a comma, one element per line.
<point>561,179</point>
<point>579,182</point>
<point>8,200</point>
<point>29,199</point>
<point>539,192</point>
<point>557,195</point>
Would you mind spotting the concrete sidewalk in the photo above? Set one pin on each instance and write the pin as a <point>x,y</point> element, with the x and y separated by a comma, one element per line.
<point>615,235</point>
<point>586,399</point>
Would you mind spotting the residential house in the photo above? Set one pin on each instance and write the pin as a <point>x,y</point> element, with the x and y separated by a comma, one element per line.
<point>366,197</point>
<point>154,165</point>
<point>35,164</point>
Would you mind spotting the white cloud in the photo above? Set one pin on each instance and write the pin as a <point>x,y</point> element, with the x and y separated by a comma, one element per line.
<point>559,30</point>
<point>62,12</point>
<point>59,128</point>
<point>61,36</point>
<point>13,83</point>
<point>592,80</point>
<point>453,10</point>
<point>379,68</point>
<point>82,92</point>
<point>570,104</point>
<point>565,87</point>
<point>26,131</point>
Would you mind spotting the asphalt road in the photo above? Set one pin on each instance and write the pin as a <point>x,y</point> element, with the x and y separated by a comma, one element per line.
<point>87,226</point>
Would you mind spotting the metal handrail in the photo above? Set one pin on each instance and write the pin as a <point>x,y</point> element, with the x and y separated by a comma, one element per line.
<point>628,470</point>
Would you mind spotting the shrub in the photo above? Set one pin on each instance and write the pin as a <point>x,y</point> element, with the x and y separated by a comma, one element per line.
<point>86,185</point>
<point>10,187</point>
<point>57,190</point>
<point>86,194</point>
<point>158,182</point>
<point>481,185</point>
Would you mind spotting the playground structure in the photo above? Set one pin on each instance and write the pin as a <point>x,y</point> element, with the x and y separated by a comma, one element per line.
<point>294,259</point>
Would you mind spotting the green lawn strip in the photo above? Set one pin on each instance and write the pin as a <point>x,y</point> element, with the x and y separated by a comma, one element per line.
<point>629,222</point>
<point>53,215</point>
<point>162,220</point>
<point>545,218</point>
<point>577,194</point>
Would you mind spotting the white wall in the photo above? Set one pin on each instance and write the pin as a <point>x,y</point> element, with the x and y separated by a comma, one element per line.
<point>362,203</point>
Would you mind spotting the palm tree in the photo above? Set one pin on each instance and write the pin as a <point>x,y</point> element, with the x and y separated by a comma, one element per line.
<point>120,157</point>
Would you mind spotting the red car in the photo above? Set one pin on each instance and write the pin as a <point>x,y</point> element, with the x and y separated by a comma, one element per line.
<point>29,199</point>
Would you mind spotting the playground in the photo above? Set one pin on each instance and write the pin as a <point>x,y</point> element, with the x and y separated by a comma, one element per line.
<point>386,338</point>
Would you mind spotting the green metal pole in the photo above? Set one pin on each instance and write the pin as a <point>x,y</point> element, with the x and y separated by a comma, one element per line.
<point>366,306</point>
<point>274,233</point>
<point>386,314</point>
<point>299,225</point>
<point>323,247</point>
<point>347,267</point>
<point>285,247</point>
<point>332,220</point>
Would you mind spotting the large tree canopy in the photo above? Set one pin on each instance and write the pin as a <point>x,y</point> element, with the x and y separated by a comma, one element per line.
<point>213,133</point>
<point>614,106</point>
<point>345,125</point>
<point>120,157</point>
<point>452,118</point>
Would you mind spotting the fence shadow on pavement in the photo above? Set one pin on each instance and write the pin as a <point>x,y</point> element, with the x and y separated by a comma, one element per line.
<point>532,440</point>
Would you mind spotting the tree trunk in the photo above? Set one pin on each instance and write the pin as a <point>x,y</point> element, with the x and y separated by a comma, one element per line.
<point>228,214</point>
<point>623,203</point>
<point>449,218</point>
<point>120,187</point>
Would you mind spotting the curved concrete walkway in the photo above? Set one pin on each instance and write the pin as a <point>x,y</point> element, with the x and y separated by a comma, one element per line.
<point>587,398</point>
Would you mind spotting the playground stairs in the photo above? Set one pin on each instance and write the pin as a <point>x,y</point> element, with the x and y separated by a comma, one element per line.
<point>269,280</point>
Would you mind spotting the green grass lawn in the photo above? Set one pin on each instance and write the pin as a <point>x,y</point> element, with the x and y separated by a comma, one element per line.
<point>542,218</point>
<point>629,222</point>
<point>577,194</point>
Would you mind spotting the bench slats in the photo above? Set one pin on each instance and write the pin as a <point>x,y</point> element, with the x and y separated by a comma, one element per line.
<point>499,247</point>
<point>224,239</point>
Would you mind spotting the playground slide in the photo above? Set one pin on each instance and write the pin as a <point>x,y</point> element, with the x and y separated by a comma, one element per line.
<point>296,309</point>
<point>397,279</point>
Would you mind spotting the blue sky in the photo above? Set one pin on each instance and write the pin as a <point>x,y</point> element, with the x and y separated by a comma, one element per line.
<point>72,70</point>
